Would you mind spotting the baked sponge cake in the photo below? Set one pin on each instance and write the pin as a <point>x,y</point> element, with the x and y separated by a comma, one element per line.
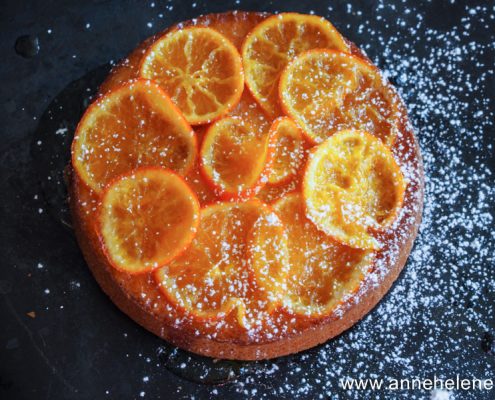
<point>246,185</point>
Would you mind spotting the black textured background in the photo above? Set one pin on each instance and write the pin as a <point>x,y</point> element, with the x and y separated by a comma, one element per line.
<point>79,346</point>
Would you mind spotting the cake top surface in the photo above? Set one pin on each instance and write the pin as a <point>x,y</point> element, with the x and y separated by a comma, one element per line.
<point>295,147</point>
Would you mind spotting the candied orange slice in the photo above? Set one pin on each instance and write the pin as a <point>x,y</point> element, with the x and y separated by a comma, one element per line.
<point>353,182</point>
<point>325,91</point>
<point>322,270</point>
<point>199,68</point>
<point>234,159</point>
<point>147,218</point>
<point>276,41</point>
<point>268,257</point>
<point>212,277</point>
<point>290,151</point>
<point>133,126</point>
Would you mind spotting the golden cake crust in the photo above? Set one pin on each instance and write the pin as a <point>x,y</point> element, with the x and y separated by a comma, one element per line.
<point>139,297</point>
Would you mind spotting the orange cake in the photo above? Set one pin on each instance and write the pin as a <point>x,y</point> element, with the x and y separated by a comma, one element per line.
<point>246,185</point>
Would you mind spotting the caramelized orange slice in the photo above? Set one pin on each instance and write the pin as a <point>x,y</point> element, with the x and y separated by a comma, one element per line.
<point>290,151</point>
<point>269,257</point>
<point>322,271</point>
<point>276,41</point>
<point>234,159</point>
<point>325,91</point>
<point>212,277</point>
<point>147,218</point>
<point>199,68</point>
<point>239,169</point>
<point>133,126</point>
<point>353,182</point>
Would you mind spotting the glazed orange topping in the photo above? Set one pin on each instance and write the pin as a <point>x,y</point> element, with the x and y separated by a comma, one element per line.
<point>199,68</point>
<point>133,126</point>
<point>147,218</point>
<point>269,257</point>
<point>234,159</point>
<point>278,40</point>
<point>325,167</point>
<point>352,182</point>
<point>326,91</point>
<point>213,277</point>
<point>322,270</point>
<point>290,151</point>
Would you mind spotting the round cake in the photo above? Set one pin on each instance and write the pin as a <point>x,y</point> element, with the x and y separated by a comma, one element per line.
<point>246,185</point>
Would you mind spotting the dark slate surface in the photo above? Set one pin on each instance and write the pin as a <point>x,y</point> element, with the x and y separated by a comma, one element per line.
<point>439,317</point>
